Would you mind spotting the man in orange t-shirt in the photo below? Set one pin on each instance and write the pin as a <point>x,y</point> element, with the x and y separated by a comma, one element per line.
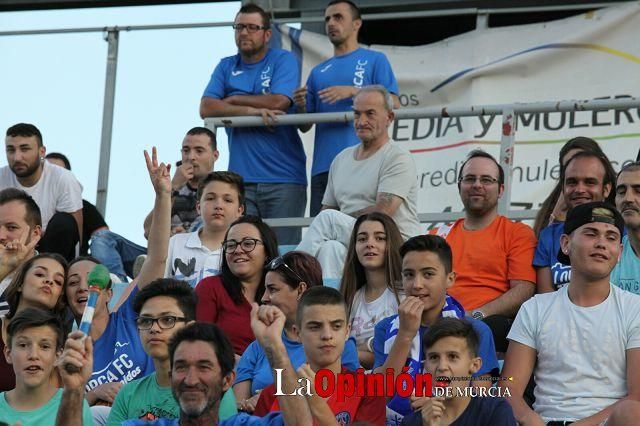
<point>492,256</point>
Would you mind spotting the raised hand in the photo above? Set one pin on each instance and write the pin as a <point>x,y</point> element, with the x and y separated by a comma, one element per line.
<point>432,411</point>
<point>76,362</point>
<point>158,173</point>
<point>267,323</point>
<point>183,174</point>
<point>417,401</point>
<point>410,313</point>
<point>333,94</point>
<point>306,372</point>
<point>13,253</point>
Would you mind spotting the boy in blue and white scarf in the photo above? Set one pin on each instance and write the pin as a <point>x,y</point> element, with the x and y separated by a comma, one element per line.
<point>426,276</point>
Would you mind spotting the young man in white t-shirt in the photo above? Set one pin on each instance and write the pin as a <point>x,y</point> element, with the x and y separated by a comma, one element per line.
<point>196,255</point>
<point>55,189</point>
<point>585,337</point>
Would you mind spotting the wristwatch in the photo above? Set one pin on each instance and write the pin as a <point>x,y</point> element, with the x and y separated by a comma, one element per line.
<point>478,314</point>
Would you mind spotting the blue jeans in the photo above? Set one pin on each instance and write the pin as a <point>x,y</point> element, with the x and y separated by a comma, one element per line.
<point>318,186</point>
<point>115,252</point>
<point>272,200</point>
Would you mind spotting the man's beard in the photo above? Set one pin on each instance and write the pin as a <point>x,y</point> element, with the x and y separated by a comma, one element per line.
<point>254,50</point>
<point>30,170</point>
<point>478,210</point>
<point>337,41</point>
<point>197,411</point>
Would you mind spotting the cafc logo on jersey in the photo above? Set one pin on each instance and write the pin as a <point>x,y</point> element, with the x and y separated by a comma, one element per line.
<point>265,77</point>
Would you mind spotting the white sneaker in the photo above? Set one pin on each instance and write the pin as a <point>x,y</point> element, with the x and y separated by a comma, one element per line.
<point>137,265</point>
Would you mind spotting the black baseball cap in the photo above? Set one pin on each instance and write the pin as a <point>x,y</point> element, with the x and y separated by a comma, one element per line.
<point>598,211</point>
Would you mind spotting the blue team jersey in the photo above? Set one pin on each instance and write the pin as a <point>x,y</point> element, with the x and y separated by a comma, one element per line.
<point>254,365</point>
<point>362,67</point>
<point>118,355</point>
<point>546,255</point>
<point>258,154</point>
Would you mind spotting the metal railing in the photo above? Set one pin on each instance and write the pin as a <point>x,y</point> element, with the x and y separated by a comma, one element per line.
<point>112,33</point>
<point>509,113</point>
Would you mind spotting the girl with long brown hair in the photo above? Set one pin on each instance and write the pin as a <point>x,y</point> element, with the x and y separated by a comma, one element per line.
<point>371,282</point>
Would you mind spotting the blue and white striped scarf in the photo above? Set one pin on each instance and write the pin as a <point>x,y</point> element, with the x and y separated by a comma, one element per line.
<point>399,407</point>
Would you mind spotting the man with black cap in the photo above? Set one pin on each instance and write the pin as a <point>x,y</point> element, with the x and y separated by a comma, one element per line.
<point>585,337</point>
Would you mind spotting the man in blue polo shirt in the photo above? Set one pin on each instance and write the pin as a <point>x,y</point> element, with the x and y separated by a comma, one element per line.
<point>260,81</point>
<point>332,85</point>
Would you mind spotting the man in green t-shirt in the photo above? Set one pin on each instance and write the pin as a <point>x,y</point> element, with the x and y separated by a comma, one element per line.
<point>163,307</point>
<point>34,343</point>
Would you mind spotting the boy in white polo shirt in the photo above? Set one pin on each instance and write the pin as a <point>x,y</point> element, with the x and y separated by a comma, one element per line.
<point>196,255</point>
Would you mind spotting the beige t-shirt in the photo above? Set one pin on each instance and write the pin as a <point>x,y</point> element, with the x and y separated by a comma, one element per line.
<point>354,184</point>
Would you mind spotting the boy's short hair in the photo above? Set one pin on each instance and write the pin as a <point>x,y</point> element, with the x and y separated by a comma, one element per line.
<point>231,178</point>
<point>433,243</point>
<point>213,335</point>
<point>319,295</point>
<point>452,327</point>
<point>180,291</point>
<point>35,317</point>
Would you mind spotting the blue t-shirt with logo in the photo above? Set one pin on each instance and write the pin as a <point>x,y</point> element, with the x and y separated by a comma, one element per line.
<point>626,274</point>
<point>254,364</point>
<point>362,67</point>
<point>118,355</point>
<point>547,255</point>
<point>258,154</point>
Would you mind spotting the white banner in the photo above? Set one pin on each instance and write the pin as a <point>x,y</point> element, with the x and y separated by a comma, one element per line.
<point>591,56</point>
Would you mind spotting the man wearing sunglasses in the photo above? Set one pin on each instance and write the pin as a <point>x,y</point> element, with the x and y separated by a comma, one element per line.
<point>163,308</point>
<point>260,81</point>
